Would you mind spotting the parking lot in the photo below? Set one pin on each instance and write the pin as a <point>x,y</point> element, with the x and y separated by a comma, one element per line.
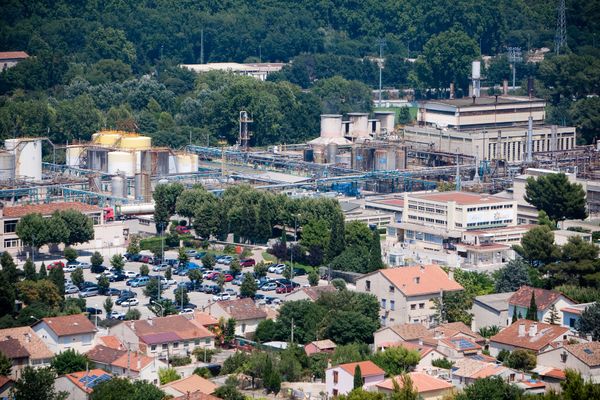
<point>197,298</point>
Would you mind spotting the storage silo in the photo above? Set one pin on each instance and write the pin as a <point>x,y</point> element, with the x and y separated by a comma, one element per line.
<point>332,149</point>
<point>97,159</point>
<point>7,166</point>
<point>359,125</point>
<point>319,154</point>
<point>73,156</point>
<point>194,160</point>
<point>331,126</point>
<point>117,186</point>
<point>380,160</point>
<point>135,142</point>
<point>401,158</point>
<point>308,155</point>
<point>121,162</point>
<point>106,138</point>
<point>28,157</point>
<point>387,120</point>
<point>184,163</point>
<point>172,164</point>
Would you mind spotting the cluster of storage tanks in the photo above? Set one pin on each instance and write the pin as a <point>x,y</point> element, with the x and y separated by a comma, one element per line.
<point>358,126</point>
<point>21,159</point>
<point>124,153</point>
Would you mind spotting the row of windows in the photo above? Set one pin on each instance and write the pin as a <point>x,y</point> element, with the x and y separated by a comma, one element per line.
<point>11,243</point>
<point>430,220</point>
<point>414,306</point>
<point>485,208</point>
<point>165,346</point>
<point>384,304</point>
<point>486,223</point>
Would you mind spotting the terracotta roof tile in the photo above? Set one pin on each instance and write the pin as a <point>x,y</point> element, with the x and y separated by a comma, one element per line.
<point>104,355</point>
<point>191,384</point>
<point>588,353</point>
<point>131,361</point>
<point>457,329</point>
<point>420,280</point>
<point>555,373</point>
<point>314,292</point>
<point>422,382</point>
<point>196,396</point>
<point>324,344</point>
<point>4,380</point>
<point>204,319</point>
<point>4,55</point>
<point>543,298</point>
<point>546,333</point>
<point>409,332</point>
<point>27,338</point>
<point>111,341</point>
<point>12,349</point>
<point>47,209</point>
<point>67,325</point>
<point>172,324</point>
<point>367,368</point>
<point>242,309</point>
<point>76,376</point>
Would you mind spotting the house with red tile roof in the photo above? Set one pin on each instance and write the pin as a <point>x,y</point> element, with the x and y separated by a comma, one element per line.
<point>428,353</point>
<point>16,342</point>
<point>246,313</point>
<point>581,357</point>
<point>309,293</point>
<point>163,337</point>
<point>572,314</point>
<point>66,332</point>
<point>529,335</point>
<point>320,346</point>
<point>190,384</point>
<point>467,370</point>
<point>9,59</point>
<point>122,362</point>
<point>405,294</point>
<point>6,385</point>
<point>340,379</point>
<point>545,300</point>
<point>428,387</point>
<point>79,385</point>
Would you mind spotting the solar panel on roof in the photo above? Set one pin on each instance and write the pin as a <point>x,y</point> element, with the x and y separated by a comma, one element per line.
<point>588,351</point>
<point>463,343</point>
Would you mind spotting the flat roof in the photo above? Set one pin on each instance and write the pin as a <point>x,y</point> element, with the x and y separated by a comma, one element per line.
<point>484,101</point>
<point>497,301</point>
<point>461,198</point>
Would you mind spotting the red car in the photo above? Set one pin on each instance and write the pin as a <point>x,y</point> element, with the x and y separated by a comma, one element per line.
<point>182,230</point>
<point>212,276</point>
<point>56,264</point>
<point>228,277</point>
<point>284,289</point>
<point>248,262</point>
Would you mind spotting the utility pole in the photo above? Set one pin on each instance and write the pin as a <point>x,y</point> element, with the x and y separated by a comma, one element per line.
<point>514,56</point>
<point>202,46</point>
<point>560,40</point>
<point>292,330</point>
<point>381,42</point>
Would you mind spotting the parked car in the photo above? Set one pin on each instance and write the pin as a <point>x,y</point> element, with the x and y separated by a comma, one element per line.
<point>199,255</point>
<point>273,267</point>
<point>279,269</point>
<point>191,253</point>
<point>113,292</point>
<point>108,274</point>
<point>116,315</point>
<point>186,311</point>
<point>117,277</point>
<point>88,291</point>
<point>97,269</point>
<point>228,277</point>
<point>87,284</point>
<point>231,292</point>
<point>212,275</point>
<point>124,297</point>
<point>269,286</point>
<point>71,289</point>
<point>146,259</point>
<point>213,289</point>
<point>139,281</point>
<point>55,264</point>
<point>183,230</point>
<point>248,262</point>
<point>284,289</point>
<point>79,264</point>
<point>221,296</point>
<point>93,311</point>
<point>160,267</point>
<point>299,272</point>
<point>70,268</point>
<point>130,302</point>
<point>131,274</point>
<point>236,282</point>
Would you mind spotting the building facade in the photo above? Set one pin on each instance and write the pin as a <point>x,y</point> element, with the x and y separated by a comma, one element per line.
<point>68,332</point>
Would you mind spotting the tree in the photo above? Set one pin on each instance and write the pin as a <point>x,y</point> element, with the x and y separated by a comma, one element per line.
<point>144,270</point>
<point>39,292</point>
<point>489,331</point>
<point>543,219</point>
<point>229,392</point>
<point>396,360</point>
<point>491,388</point>
<point>181,296</point>
<point>340,96</point>
<point>338,283</point>
<point>209,261</point>
<point>69,361</point>
<point>29,271</point>
<point>221,281</point>
<point>361,394</point>
<point>522,360</point>
<point>31,229</point>
<point>123,388</point>
<point>589,323</point>
<point>36,383</point>
<point>248,287</point>
<point>313,278</point>
<point>117,262</point>
<point>77,277</point>
<point>42,272</point>
<point>70,254</point>
<point>153,289</point>
<point>9,268</point>
<point>358,379</point>
<point>266,331</point>
<point>407,391</point>
<point>337,237</point>
<point>57,276</point>
<point>235,267</point>
<point>133,248</point>
<point>182,256</point>
<point>554,194</point>
<point>108,305</point>
<point>133,315</point>
<point>195,276</point>
<point>454,307</point>
<point>442,363</point>
<point>166,375</point>
<point>80,226</point>
<point>5,365</point>
<point>229,332</point>
<point>532,310</point>
<point>537,246</point>
<point>103,284</point>
<point>165,198</point>
<point>7,296</point>
<point>553,317</point>
<point>586,117</point>
<point>169,273</point>
<point>375,261</point>
<point>512,276</point>
<point>574,387</point>
<point>96,260</point>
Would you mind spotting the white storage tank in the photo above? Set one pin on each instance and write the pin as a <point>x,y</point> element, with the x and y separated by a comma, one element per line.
<point>7,166</point>
<point>73,156</point>
<point>172,164</point>
<point>387,120</point>
<point>359,124</point>
<point>28,157</point>
<point>184,163</point>
<point>121,162</point>
<point>135,142</point>
<point>195,165</point>
<point>117,187</point>
<point>331,126</point>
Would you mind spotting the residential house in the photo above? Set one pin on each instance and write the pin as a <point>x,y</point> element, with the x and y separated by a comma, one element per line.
<point>6,385</point>
<point>9,59</point>
<point>79,385</point>
<point>427,353</point>
<point>428,387</point>
<point>340,379</point>
<point>457,348</point>
<point>13,340</point>
<point>491,310</point>
<point>545,300</point>
<point>191,384</point>
<point>406,294</point>
<point>164,337</point>
<point>582,357</point>
<point>552,377</point>
<point>126,363</point>
<point>454,330</point>
<point>319,346</point>
<point>196,396</point>
<point>247,315</point>
<point>572,314</point>
<point>309,293</point>
<point>410,332</point>
<point>66,332</point>
<point>529,335</point>
<point>467,370</point>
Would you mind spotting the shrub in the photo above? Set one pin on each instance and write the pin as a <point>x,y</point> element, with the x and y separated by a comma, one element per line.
<point>200,353</point>
<point>178,361</point>
<point>442,363</point>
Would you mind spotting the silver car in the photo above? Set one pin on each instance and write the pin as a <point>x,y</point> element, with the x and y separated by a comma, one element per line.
<point>71,289</point>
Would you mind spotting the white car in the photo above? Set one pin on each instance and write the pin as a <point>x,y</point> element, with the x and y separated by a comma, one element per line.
<point>116,315</point>
<point>130,302</point>
<point>130,274</point>
<point>70,268</point>
<point>171,282</point>
<point>279,269</point>
<point>221,296</point>
<point>107,274</point>
<point>71,289</point>
<point>186,311</point>
<point>273,267</point>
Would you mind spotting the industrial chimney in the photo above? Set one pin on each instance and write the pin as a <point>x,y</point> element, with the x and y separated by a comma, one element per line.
<point>476,77</point>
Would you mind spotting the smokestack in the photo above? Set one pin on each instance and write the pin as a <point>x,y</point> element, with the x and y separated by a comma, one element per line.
<point>505,87</point>
<point>530,87</point>
<point>533,329</point>
<point>529,139</point>
<point>451,90</point>
<point>521,329</point>
<point>474,97</point>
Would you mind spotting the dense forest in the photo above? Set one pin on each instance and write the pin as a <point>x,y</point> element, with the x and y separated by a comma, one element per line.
<point>109,63</point>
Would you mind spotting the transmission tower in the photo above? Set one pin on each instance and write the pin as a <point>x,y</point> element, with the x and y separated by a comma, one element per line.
<point>560,41</point>
<point>514,56</point>
<point>381,43</point>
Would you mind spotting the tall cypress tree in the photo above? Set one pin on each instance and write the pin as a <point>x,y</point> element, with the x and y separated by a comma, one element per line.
<point>532,310</point>
<point>29,270</point>
<point>358,380</point>
<point>337,240</point>
<point>375,261</point>
<point>43,273</point>
<point>9,268</point>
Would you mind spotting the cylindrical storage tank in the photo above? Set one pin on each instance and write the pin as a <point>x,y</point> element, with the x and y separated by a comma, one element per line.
<point>117,186</point>
<point>380,160</point>
<point>194,159</point>
<point>387,121</point>
<point>391,159</point>
<point>344,160</point>
<point>359,124</point>
<point>172,164</point>
<point>121,162</point>
<point>7,166</point>
<point>73,156</point>
<point>331,125</point>
<point>135,142</point>
<point>400,159</point>
<point>28,157</point>
<point>476,70</point>
<point>106,138</point>
<point>332,149</point>
<point>309,156</point>
<point>184,163</point>
<point>138,162</point>
<point>319,154</point>
<point>138,189</point>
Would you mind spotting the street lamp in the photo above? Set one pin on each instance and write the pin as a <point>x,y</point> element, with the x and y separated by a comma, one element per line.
<point>162,309</point>
<point>296,216</point>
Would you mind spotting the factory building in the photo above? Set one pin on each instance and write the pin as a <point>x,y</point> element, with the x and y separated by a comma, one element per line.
<point>258,71</point>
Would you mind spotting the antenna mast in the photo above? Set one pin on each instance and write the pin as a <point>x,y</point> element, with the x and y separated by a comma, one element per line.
<point>244,135</point>
<point>560,41</point>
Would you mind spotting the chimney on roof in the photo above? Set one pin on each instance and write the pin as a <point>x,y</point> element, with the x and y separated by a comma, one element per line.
<point>417,279</point>
<point>521,329</point>
<point>139,362</point>
<point>533,329</point>
<point>451,275</point>
<point>150,322</point>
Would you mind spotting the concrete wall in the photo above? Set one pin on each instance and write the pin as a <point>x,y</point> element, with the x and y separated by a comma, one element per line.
<point>553,359</point>
<point>63,384</point>
<point>485,316</point>
<point>81,343</point>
